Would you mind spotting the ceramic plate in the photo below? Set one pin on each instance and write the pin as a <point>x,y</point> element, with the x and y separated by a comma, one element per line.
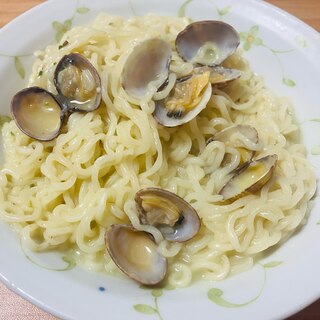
<point>282,49</point>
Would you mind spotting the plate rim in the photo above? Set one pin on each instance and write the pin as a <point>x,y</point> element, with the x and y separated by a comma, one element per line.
<point>14,287</point>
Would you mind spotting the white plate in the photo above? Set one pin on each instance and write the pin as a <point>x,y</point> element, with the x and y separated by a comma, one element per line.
<point>286,52</point>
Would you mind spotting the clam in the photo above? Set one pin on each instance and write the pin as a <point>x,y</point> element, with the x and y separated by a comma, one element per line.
<point>146,68</point>
<point>176,219</point>
<point>187,99</point>
<point>249,178</point>
<point>37,113</point>
<point>207,42</point>
<point>40,114</point>
<point>235,136</point>
<point>226,135</point>
<point>219,75</point>
<point>136,254</point>
<point>78,82</point>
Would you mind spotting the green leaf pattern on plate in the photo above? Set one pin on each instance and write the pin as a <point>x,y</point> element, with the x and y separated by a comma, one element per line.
<point>216,295</point>
<point>19,67</point>
<point>183,8</point>
<point>156,293</point>
<point>301,41</point>
<point>315,120</point>
<point>251,38</point>
<point>145,309</point>
<point>67,259</point>
<point>272,264</point>
<point>223,11</point>
<point>3,120</point>
<point>220,11</point>
<point>83,10</point>
<point>289,82</point>
<point>62,27</point>
<point>17,61</point>
<point>70,263</point>
<point>131,6</point>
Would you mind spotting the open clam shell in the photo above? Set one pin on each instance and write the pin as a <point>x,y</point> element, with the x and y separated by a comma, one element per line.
<point>37,113</point>
<point>220,75</point>
<point>249,178</point>
<point>147,66</point>
<point>229,135</point>
<point>78,83</point>
<point>176,219</point>
<point>136,254</point>
<point>240,137</point>
<point>207,42</point>
<point>40,114</point>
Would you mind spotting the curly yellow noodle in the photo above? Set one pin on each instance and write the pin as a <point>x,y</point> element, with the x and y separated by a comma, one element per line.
<point>67,192</point>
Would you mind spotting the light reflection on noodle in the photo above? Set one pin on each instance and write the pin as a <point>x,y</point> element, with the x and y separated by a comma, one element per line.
<point>70,190</point>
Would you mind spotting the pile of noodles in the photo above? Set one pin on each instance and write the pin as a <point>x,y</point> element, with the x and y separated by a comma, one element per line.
<point>67,192</point>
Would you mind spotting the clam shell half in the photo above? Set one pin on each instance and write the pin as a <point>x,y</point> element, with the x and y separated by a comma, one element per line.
<point>78,83</point>
<point>217,40</point>
<point>37,113</point>
<point>176,219</point>
<point>147,66</point>
<point>136,254</point>
<point>250,178</point>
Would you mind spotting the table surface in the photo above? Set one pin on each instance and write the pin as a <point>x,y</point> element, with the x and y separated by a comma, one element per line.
<point>13,307</point>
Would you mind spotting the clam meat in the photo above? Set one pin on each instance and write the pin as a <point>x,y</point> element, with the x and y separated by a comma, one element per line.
<point>78,83</point>
<point>176,219</point>
<point>187,99</point>
<point>147,68</point>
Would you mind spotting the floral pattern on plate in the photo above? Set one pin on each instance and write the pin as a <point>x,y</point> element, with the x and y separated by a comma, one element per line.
<point>251,40</point>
